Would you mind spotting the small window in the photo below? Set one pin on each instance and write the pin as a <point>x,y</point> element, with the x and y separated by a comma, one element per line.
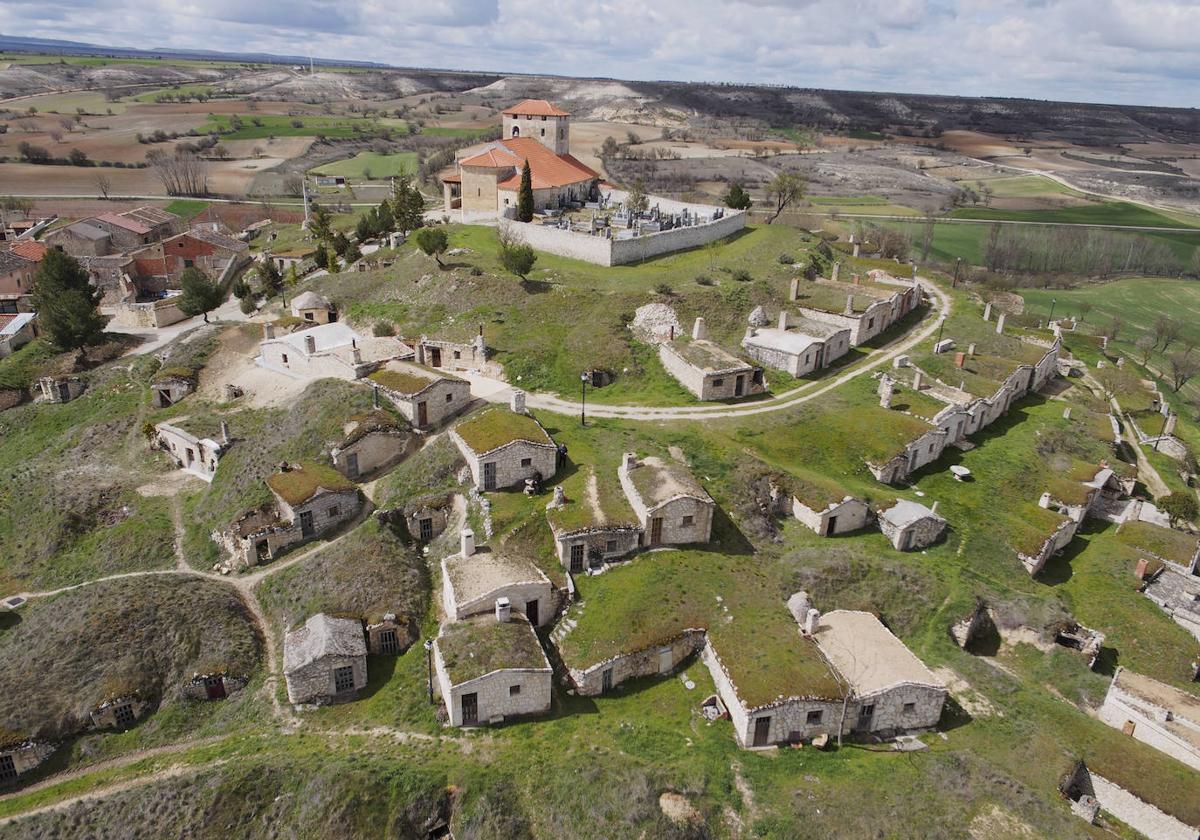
<point>308,316</point>
<point>870,323</point>
<point>689,521</point>
<point>718,382</point>
<point>8,768</point>
<point>909,708</point>
<point>285,358</point>
<point>610,546</point>
<point>514,690</point>
<point>543,130</point>
<point>188,263</point>
<point>450,398</point>
<point>526,462</point>
<point>815,717</point>
<point>334,510</point>
<point>343,679</point>
<point>543,120</point>
<point>458,354</point>
<point>388,642</point>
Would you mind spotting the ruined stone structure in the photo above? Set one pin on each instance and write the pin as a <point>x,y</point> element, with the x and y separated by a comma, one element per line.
<point>491,668</point>
<point>876,318</point>
<point>373,442</point>
<point>170,386</point>
<point>389,635</point>
<point>121,712</point>
<point>1154,713</point>
<point>191,448</point>
<point>325,661</point>
<point>670,505</point>
<point>503,448</point>
<point>216,686</point>
<point>61,389</point>
<point>1062,535</point>
<point>910,526</point>
<point>709,371</point>
<point>20,757</point>
<point>426,398</point>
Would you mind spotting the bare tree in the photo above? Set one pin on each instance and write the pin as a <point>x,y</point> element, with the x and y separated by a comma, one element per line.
<point>785,189</point>
<point>927,235</point>
<point>103,185</point>
<point>1166,330</point>
<point>1183,368</point>
<point>1084,309</point>
<point>1145,345</point>
<point>183,173</point>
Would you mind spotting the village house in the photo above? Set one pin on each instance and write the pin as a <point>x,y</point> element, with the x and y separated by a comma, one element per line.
<point>910,526</point>
<point>19,756</point>
<point>135,228</point>
<point>426,517</point>
<point>325,661</point>
<point>1089,792</point>
<point>825,510</point>
<point>595,529</point>
<point>1165,717</point>
<point>425,397</point>
<point>81,239</point>
<point>298,258</point>
<point>61,388</point>
<point>112,276</point>
<point>16,331</point>
<point>476,578</point>
<point>451,355</point>
<point>670,505</point>
<point>658,659</point>
<point>191,445</point>
<point>310,501</point>
<point>504,448</point>
<point>16,283</point>
<point>170,385</point>
<point>121,711</point>
<point>213,686</point>
<point>707,369</point>
<point>536,132</point>
<point>799,346</point>
<point>491,668</point>
<point>313,308</point>
<point>160,265</point>
<point>374,441</point>
<point>30,249</point>
<point>327,350</point>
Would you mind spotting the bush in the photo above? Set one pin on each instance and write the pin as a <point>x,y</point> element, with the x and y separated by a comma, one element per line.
<point>742,275</point>
<point>247,305</point>
<point>383,328</point>
<point>518,259</point>
<point>476,271</point>
<point>786,259</point>
<point>704,280</point>
<point>664,289</point>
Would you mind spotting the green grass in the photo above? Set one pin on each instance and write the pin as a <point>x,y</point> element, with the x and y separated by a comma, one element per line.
<point>443,131</point>
<point>274,125</point>
<point>1107,214</point>
<point>1025,186</point>
<point>92,102</point>
<point>371,165</point>
<point>188,208</point>
<point>177,90</point>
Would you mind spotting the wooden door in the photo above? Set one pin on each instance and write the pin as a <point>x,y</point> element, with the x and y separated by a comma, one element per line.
<point>422,414</point>
<point>306,523</point>
<point>214,688</point>
<point>762,731</point>
<point>656,530</point>
<point>470,709</point>
<point>352,465</point>
<point>435,357</point>
<point>531,612</point>
<point>739,386</point>
<point>831,529</point>
<point>489,475</point>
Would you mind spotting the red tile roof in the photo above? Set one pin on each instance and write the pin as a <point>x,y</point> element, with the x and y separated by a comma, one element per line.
<point>30,250</point>
<point>547,169</point>
<point>535,108</point>
<point>123,222</point>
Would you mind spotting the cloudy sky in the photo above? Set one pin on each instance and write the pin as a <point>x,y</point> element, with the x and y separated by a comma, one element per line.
<point>1128,51</point>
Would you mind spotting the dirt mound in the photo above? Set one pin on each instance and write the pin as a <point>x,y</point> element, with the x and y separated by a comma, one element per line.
<point>655,323</point>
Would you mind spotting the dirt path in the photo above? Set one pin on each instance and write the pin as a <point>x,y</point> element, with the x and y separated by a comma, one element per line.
<point>1146,471</point>
<point>497,391</point>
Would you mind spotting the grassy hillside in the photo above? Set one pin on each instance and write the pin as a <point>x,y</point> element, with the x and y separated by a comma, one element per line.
<point>371,165</point>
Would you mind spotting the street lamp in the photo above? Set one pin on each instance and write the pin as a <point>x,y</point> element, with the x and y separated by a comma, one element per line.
<point>429,663</point>
<point>583,381</point>
<point>1053,301</point>
<point>941,326</point>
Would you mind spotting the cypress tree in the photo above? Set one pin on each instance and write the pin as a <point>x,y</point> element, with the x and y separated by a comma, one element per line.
<point>66,302</point>
<point>525,196</point>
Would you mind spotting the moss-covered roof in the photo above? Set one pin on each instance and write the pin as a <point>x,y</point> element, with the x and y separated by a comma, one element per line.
<point>377,420</point>
<point>407,378</point>
<point>496,427</point>
<point>473,648</point>
<point>815,491</point>
<point>1166,543</point>
<point>594,500</point>
<point>304,480</point>
<point>187,374</point>
<point>708,356</point>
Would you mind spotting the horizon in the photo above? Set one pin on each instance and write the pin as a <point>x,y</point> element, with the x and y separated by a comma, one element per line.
<point>1113,52</point>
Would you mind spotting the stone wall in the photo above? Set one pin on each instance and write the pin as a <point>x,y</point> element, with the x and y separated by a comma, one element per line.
<point>197,688</point>
<point>198,457</point>
<point>596,540</point>
<point>1121,707</point>
<point>442,400</point>
<point>27,755</point>
<point>329,510</point>
<point>674,531</point>
<point>890,715</point>
<point>104,716</point>
<point>479,191</point>
<point>279,355</point>
<point>510,471</point>
<point>150,315</point>
<point>1055,543</point>
<point>705,385</point>
<point>375,451</point>
<point>851,516</point>
<point>519,594</point>
<point>1141,816</point>
<point>659,659</point>
<point>314,682</point>
<point>914,536</point>
<point>494,692</point>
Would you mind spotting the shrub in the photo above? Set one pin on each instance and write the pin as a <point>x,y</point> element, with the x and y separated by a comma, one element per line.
<point>476,271</point>
<point>786,259</point>
<point>704,280</point>
<point>247,305</point>
<point>742,275</point>
<point>518,259</point>
<point>383,328</point>
<point>664,289</point>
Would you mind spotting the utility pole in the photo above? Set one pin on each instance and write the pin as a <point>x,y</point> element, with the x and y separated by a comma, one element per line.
<point>583,380</point>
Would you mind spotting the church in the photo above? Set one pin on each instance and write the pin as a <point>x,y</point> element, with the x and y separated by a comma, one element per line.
<point>536,131</point>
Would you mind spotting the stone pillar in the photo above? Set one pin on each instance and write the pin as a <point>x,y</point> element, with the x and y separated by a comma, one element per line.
<point>783,319</point>
<point>971,350</point>
<point>630,461</point>
<point>503,610</point>
<point>224,432</point>
<point>917,381</point>
<point>837,271</point>
<point>811,621</point>
<point>987,311</point>
<point>310,345</point>
<point>699,330</point>
<point>1067,413</point>
<point>517,402</point>
<point>1000,324</point>
<point>886,390</point>
<point>849,304</point>
<point>794,292</point>
<point>1169,428</point>
<point>466,542</point>
<point>268,331</point>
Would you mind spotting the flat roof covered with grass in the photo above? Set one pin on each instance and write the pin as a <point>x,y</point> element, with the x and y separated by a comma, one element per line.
<point>595,499</point>
<point>658,480</point>
<point>708,356</point>
<point>1166,543</point>
<point>305,480</point>
<point>477,647</point>
<point>406,378</point>
<point>496,427</point>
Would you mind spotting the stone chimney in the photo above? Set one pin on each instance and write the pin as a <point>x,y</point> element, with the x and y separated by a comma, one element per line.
<point>268,331</point>
<point>1044,501</point>
<point>971,350</point>
<point>811,621</point>
<point>374,395</point>
<point>987,311</point>
<point>356,356</point>
<point>933,508</point>
<point>1000,324</point>
<point>849,304</point>
<point>699,330</point>
<point>960,359</point>
<point>1067,413</point>
<point>794,291</point>
<point>917,381</point>
<point>783,319</point>
<point>749,333</point>
<point>886,390</point>
<point>224,433</point>
<point>310,345</point>
<point>837,271</point>
<point>466,542</point>
<point>630,461</point>
<point>517,402</point>
<point>1140,571</point>
<point>503,610</point>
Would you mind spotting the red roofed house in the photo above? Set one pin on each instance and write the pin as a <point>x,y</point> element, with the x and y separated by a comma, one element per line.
<point>16,282</point>
<point>135,228</point>
<point>533,131</point>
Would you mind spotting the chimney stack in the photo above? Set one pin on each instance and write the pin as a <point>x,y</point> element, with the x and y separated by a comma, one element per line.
<point>1140,571</point>
<point>374,395</point>
<point>960,359</point>
<point>849,304</point>
<point>224,433</point>
<point>1067,413</point>
<point>1000,324</point>
<point>971,350</point>
<point>310,345</point>
<point>886,391</point>
<point>783,319</point>
<point>630,461</point>
<point>466,542</point>
<point>917,381</point>
<point>699,330</point>
<point>268,331</point>
<point>837,271</point>
<point>987,311</point>
<point>794,291</point>
<point>517,403</point>
<point>811,621</point>
<point>749,333</point>
<point>1044,501</point>
<point>503,610</point>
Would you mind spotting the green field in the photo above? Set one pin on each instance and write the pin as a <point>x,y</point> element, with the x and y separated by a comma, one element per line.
<point>1107,213</point>
<point>188,208</point>
<point>92,102</point>
<point>1024,186</point>
<point>260,126</point>
<point>371,165</point>
<point>178,90</point>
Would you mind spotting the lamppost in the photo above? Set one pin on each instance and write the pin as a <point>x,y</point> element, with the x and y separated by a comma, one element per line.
<point>1163,430</point>
<point>941,326</point>
<point>583,381</point>
<point>1050,321</point>
<point>429,663</point>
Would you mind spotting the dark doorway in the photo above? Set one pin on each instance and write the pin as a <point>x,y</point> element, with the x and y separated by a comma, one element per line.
<point>470,709</point>
<point>435,357</point>
<point>577,558</point>
<point>8,768</point>
<point>214,687</point>
<point>831,528</point>
<point>531,612</point>
<point>352,465</point>
<point>489,476</point>
<point>739,386</point>
<point>388,643</point>
<point>306,523</point>
<point>762,731</point>
<point>656,530</point>
<point>123,715</point>
<point>426,527</point>
<point>422,414</point>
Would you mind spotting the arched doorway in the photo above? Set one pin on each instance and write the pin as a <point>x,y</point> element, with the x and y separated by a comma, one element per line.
<point>516,132</point>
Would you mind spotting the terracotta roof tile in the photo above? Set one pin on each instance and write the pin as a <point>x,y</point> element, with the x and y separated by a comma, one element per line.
<point>546,168</point>
<point>30,250</point>
<point>535,108</point>
<point>123,222</point>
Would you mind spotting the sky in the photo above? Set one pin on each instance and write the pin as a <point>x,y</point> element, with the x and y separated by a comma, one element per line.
<point>1123,51</point>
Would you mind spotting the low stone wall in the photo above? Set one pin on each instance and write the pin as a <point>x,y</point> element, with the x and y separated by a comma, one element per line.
<point>153,315</point>
<point>589,681</point>
<point>1054,544</point>
<point>1139,815</point>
